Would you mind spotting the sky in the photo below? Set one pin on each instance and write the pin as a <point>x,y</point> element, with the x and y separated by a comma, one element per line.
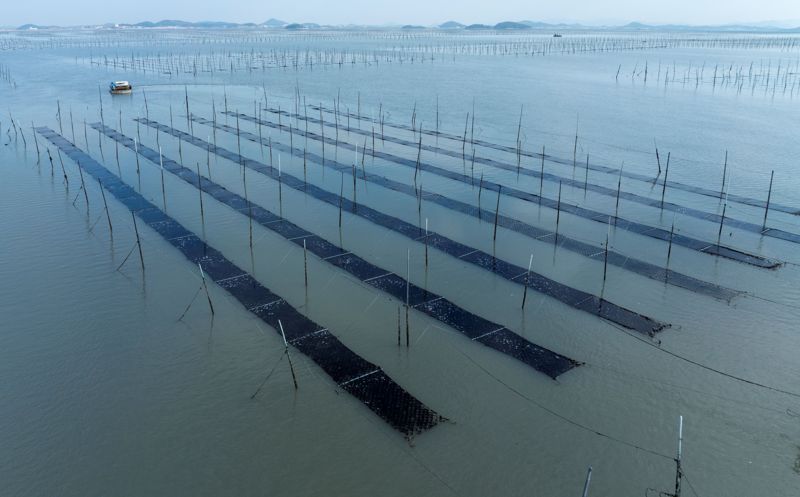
<point>425,12</point>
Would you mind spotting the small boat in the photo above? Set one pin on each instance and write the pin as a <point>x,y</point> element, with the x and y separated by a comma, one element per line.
<point>120,88</point>
<point>556,35</point>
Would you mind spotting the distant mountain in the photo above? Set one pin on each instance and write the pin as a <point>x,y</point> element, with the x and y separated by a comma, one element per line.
<point>757,27</point>
<point>305,25</point>
<point>547,25</point>
<point>26,27</point>
<point>506,25</point>
<point>274,23</point>
<point>451,25</point>
<point>479,26</point>
<point>168,23</point>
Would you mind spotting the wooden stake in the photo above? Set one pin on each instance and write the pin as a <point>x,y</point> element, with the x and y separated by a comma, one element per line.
<point>619,188</point>
<point>586,177</point>
<point>575,147</point>
<point>205,287</point>
<point>341,196</point>
<point>605,262</point>
<point>280,187</point>
<point>496,213</point>
<point>398,326</point>
<point>558,212</point>
<point>105,208</point>
<point>664,186</point>
<point>658,158</point>
<point>61,162</point>
<point>519,144</point>
<point>200,194</point>
<point>286,350</point>
<point>769,196</point>
<point>669,247</point>
<point>419,154</point>
<point>52,168</point>
<point>724,173</point>
<point>586,484</point>
<point>163,188</point>
<point>36,141</point>
<point>426,245</point>
<point>136,153</point>
<point>83,186</point>
<point>480,190</point>
<point>305,263</point>
<point>541,177</point>
<point>678,459</point>
<point>408,294</point>
<point>58,114</point>
<point>138,241</point>
<point>527,277</point>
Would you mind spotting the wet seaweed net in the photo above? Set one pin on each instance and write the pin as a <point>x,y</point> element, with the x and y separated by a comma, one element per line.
<point>478,329</point>
<point>365,381</point>
<point>614,258</point>
<point>714,249</point>
<point>675,185</point>
<point>572,297</point>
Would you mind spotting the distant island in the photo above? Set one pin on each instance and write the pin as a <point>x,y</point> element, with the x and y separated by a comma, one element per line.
<point>451,25</point>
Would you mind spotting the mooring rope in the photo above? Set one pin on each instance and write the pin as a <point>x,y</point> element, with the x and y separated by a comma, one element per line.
<point>657,346</point>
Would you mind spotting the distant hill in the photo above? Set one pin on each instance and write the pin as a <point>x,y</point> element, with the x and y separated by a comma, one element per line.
<point>760,28</point>
<point>451,25</point>
<point>169,23</point>
<point>511,25</point>
<point>274,23</point>
<point>304,25</point>
<point>757,27</point>
<point>26,27</point>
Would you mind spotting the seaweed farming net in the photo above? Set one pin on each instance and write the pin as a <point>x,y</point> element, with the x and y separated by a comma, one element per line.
<point>614,258</point>
<point>474,327</point>
<point>570,296</point>
<point>575,210</point>
<point>676,185</point>
<point>351,372</point>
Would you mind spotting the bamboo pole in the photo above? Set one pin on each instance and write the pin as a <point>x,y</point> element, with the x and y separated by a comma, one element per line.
<point>496,214</point>
<point>527,278</point>
<point>664,186</point>
<point>769,197</point>
<point>138,241</point>
<point>163,187</point>
<point>205,287</point>
<point>408,295</point>
<point>286,351</point>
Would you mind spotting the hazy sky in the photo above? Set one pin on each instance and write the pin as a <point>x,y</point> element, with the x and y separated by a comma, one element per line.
<point>71,12</point>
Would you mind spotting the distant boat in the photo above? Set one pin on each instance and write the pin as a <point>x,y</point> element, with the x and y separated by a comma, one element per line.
<point>556,35</point>
<point>120,88</point>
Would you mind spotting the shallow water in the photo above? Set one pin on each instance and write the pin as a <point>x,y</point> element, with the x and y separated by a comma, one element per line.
<point>105,392</point>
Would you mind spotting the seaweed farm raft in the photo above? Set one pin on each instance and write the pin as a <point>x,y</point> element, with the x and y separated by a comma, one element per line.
<point>463,260</point>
